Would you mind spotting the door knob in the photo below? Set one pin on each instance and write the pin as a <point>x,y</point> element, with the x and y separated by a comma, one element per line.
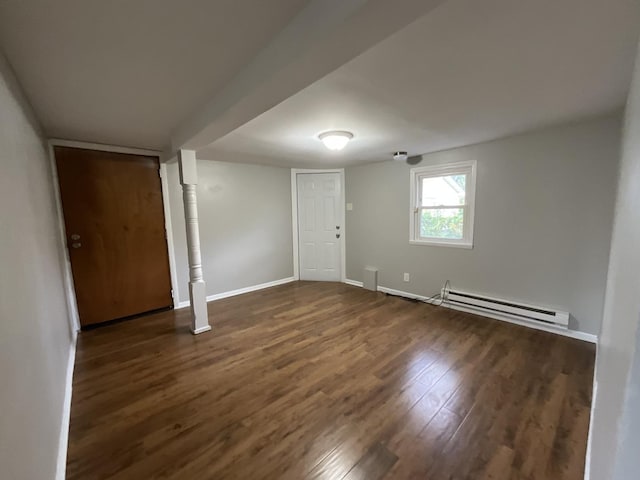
<point>76,245</point>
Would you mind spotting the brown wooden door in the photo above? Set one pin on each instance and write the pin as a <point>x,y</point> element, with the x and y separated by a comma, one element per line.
<point>114,221</point>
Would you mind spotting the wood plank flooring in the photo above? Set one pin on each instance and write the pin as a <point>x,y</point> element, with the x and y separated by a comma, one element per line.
<point>328,381</point>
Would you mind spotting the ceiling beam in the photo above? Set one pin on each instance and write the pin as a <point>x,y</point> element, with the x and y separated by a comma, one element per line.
<point>323,36</point>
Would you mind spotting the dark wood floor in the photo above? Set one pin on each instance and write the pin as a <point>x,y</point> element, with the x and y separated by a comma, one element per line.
<point>328,381</point>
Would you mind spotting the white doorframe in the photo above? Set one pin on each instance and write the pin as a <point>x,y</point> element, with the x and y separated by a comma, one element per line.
<point>70,292</point>
<point>168,227</point>
<point>294,218</point>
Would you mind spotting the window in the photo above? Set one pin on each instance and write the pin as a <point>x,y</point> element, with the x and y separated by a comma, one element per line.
<point>442,198</point>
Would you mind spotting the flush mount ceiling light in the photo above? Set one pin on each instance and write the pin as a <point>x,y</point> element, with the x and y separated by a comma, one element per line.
<point>335,140</point>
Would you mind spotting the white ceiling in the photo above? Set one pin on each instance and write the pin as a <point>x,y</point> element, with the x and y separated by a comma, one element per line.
<point>167,73</point>
<point>170,74</point>
<point>129,72</point>
<point>467,72</point>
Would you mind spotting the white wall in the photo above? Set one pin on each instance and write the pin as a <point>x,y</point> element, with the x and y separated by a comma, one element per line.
<point>627,459</point>
<point>35,334</point>
<point>245,225</point>
<point>544,207</point>
<point>621,313</point>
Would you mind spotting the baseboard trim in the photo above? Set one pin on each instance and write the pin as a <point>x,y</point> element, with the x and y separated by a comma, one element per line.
<point>240,291</point>
<point>412,296</point>
<point>587,337</point>
<point>63,442</point>
<point>200,330</point>
<point>594,396</point>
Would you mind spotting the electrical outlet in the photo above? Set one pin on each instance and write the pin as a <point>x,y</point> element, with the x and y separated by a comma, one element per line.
<point>406,277</point>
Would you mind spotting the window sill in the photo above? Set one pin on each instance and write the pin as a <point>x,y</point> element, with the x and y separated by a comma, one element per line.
<point>467,246</point>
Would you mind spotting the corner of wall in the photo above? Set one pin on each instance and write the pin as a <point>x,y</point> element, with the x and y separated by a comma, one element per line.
<point>63,442</point>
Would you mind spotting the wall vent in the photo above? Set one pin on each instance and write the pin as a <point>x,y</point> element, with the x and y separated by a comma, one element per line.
<point>370,279</point>
<point>504,309</point>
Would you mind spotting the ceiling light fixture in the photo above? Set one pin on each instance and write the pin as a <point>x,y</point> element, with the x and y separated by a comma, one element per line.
<point>335,140</point>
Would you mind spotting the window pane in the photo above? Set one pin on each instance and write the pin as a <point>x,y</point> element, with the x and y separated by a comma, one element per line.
<point>442,223</point>
<point>445,190</point>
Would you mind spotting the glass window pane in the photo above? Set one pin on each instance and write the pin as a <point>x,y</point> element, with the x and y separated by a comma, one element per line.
<point>445,190</point>
<point>442,223</point>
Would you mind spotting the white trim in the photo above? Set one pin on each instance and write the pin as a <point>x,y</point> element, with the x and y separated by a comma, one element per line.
<point>252,288</point>
<point>468,246</point>
<point>587,337</point>
<point>57,142</point>
<point>63,442</point>
<point>594,395</point>
<point>355,283</point>
<point>412,296</point>
<point>200,330</point>
<point>70,292</point>
<point>240,291</point>
<point>164,185</point>
<point>294,218</point>
<point>294,224</point>
<point>69,286</point>
<point>179,305</point>
<point>469,207</point>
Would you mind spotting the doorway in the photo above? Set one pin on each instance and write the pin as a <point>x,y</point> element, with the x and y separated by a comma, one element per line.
<point>115,232</point>
<point>319,225</point>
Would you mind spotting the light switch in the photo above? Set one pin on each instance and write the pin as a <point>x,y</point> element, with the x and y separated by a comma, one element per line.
<point>349,206</point>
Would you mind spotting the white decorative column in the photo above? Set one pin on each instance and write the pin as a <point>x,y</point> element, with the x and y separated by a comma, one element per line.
<point>197,287</point>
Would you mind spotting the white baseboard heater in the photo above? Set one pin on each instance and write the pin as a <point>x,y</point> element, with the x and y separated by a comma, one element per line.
<point>495,307</point>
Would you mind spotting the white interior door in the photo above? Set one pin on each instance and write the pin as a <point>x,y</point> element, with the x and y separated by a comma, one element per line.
<point>319,226</point>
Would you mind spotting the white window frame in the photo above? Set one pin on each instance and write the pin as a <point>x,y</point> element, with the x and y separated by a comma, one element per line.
<point>457,168</point>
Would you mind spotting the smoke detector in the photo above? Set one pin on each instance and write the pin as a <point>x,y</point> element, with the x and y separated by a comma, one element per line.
<point>400,156</point>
